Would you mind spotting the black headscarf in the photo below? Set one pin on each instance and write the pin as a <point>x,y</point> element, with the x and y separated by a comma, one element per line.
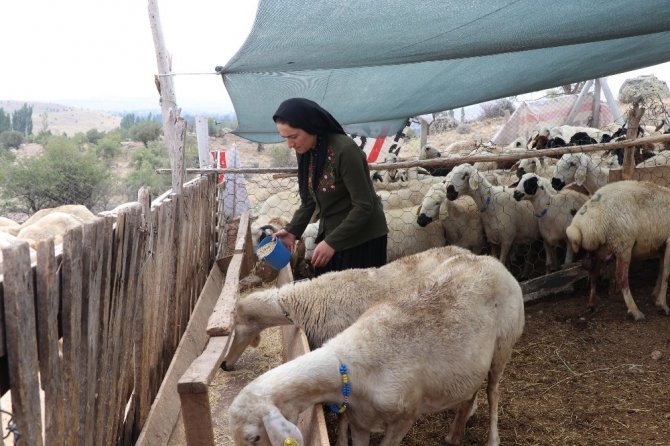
<point>301,113</point>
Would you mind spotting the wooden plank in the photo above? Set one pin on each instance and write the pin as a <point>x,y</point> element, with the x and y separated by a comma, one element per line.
<point>105,345</point>
<point>193,389</point>
<point>556,282</point>
<point>71,320</point>
<point>21,331</point>
<point>133,243</point>
<point>222,319</point>
<point>241,233</point>
<point>658,175</point>
<point>165,410</point>
<point>200,373</point>
<point>47,297</point>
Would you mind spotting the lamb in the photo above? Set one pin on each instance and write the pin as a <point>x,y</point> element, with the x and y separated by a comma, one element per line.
<point>581,168</point>
<point>626,219</point>
<point>54,224</point>
<point>391,366</point>
<point>554,212</point>
<point>460,219</point>
<point>326,305</point>
<point>506,221</point>
<point>405,194</point>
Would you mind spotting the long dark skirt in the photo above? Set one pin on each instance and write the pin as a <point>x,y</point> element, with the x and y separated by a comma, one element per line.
<point>366,255</point>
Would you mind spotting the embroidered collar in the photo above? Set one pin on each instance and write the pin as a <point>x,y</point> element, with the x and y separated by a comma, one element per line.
<point>346,389</point>
<point>542,213</point>
<point>486,204</point>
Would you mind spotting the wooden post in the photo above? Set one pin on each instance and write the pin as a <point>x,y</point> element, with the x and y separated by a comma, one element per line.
<point>578,104</point>
<point>174,127</point>
<point>634,117</point>
<point>202,133</point>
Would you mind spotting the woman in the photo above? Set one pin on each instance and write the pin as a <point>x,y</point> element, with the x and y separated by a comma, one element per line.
<point>334,180</point>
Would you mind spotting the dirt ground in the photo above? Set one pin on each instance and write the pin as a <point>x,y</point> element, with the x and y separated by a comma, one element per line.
<point>575,378</point>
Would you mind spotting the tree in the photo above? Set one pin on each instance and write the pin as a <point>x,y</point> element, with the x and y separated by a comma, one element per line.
<point>22,120</point>
<point>11,139</point>
<point>94,135</point>
<point>5,121</point>
<point>62,174</point>
<point>145,132</point>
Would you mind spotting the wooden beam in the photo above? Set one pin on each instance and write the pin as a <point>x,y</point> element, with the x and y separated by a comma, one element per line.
<point>222,318</point>
<point>553,283</point>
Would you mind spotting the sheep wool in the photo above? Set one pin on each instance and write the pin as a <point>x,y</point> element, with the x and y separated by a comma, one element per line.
<point>629,220</point>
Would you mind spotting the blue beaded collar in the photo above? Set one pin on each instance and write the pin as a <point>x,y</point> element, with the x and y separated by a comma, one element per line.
<point>345,391</point>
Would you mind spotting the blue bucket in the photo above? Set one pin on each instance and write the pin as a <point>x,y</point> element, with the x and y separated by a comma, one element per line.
<point>278,257</point>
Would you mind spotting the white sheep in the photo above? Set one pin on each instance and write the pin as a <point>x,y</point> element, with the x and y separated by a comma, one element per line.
<point>387,368</point>
<point>7,240</point>
<point>460,218</point>
<point>407,237</point>
<point>629,220</point>
<point>9,226</point>
<point>79,211</point>
<point>554,212</point>
<point>540,165</point>
<point>54,224</point>
<point>582,169</point>
<point>326,305</point>
<point>661,159</point>
<point>405,194</point>
<point>506,221</point>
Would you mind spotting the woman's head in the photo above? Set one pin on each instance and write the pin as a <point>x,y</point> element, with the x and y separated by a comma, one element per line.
<point>300,120</point>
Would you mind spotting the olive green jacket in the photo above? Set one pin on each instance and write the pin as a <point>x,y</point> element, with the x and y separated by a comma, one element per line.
<point>347,206</point>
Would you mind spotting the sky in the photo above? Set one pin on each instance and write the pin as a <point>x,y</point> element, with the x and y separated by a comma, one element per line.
<point>100,53</point>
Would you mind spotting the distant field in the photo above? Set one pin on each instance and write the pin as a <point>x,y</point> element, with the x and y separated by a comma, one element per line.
<point>62,119</point>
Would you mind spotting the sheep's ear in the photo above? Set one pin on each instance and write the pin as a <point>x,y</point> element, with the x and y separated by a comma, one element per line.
<point>418,210</point>
<point>281,431</point>
<point>255,342</point>
<point>473,181</point>
<point>580,175</point>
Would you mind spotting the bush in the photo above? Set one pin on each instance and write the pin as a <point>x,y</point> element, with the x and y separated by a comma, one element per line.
<point>282,156</point>
<point>463,129</point>
<point>496,109</point>
<point>93,136</point>
<point>62,174</point>
<point>109,146</point>
<point>11,139</point>
<point>145,131</point>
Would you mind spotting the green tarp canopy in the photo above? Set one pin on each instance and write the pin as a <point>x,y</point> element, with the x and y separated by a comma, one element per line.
<point>374,63</point>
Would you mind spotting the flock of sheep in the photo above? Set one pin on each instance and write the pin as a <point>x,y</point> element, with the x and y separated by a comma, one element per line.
<point>382,323</point>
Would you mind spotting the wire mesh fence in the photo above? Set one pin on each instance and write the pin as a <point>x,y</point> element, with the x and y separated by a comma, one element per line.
<point>513,204</point>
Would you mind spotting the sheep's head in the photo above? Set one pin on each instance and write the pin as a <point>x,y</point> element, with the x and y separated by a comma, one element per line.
<point>255,312</point>
<point>527,165</point>
<point>461,180</point>
<point>527,187</point>
<point>254,421</point>
<point>430,206</point>
<point>571,166</point>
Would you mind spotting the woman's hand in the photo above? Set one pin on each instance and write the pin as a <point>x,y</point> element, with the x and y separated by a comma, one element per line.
<point>322,254</point>
<point>286,238</point>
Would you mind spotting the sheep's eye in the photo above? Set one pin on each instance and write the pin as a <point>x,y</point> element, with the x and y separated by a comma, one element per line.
<point>253,438</point>
<point>572,164</point>
<point>465,175</point>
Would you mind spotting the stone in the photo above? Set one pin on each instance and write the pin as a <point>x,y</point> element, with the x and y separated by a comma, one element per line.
<point>634,89</point>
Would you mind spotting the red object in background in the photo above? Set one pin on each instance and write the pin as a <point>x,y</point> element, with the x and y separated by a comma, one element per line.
<point>219,159</point>
<point>374,153</point>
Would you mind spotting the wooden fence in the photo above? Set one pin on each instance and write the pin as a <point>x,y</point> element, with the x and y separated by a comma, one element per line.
<point>91,330</point>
